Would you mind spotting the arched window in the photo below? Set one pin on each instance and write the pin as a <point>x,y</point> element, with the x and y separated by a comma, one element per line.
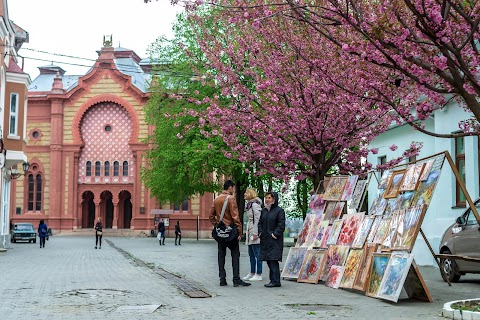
<point>182,206</point>
<point>97,168</point>
<point>35,186</point>
<point>116,168</point>
<point>107,168</point>
<point>88,169</point>
<point>125,168</point>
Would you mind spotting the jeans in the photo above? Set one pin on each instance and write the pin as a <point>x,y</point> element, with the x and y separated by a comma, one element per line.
<point>235,252</point>
<point>274,271</point>
<point>98,238</point>
<point>255,262</point>
<point>162,237</point>
<point>42,242</point>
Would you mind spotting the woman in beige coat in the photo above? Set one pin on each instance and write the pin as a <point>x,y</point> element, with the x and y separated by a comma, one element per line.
<point>253,210</point>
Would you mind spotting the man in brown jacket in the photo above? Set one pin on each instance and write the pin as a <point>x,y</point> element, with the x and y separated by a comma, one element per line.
<point>230,216</point>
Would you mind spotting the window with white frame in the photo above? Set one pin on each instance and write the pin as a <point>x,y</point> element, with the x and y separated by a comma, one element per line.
<point>13,124</point>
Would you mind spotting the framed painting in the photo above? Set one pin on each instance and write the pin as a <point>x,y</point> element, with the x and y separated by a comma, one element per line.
<point>350,226</point>
<point>328,214</point>
<point>378,205</point>
<point>319,233</point>
<point>382,231</point>
<point>303,234</point>
<point>395,275</point>
<point>337,212</point>
<point>363,232</point>
<point>376,273</point>
<point>406,199</point>
<point>412,176</point>
<point>373,230</point>
<point>294,262</point>
<point>425,190</point>
<point>358,194</point>
<point>317,204</point>
<point>349,188</point>
<point>351,267</point>
<point>334,232</point>
<point>408,228</point>
<point>335,256</point>
<point>323,245</point>
<point>312,232</point>
<point>312,266</point>
<point>397,216</point>
<point>393,187</point>
<point>384,179</point>
<point>362,272</point>
<point>334,276</point>
<point>335,188</point>
<point>426,170</point>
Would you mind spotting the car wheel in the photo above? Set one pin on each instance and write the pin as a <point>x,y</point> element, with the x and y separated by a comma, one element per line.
<point>450,268</point>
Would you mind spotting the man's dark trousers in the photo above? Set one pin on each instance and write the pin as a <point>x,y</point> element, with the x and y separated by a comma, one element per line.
<point>235,252</point>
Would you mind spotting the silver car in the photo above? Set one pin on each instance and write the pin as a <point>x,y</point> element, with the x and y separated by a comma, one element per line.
<point>461,238</point>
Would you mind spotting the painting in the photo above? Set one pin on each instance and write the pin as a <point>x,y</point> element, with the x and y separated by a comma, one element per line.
<point>358,194</point>
<point>335,256</point>
<point>349,188</point>
<point>294,262</point>
<point>302,236</point>
<point>373,230</point>
<point>337,212</point>
<point>384,179</point>
<point>350,226</point>
<point>393,187</point>
<point>378,205</point>
<point>362,273</point>
<point>335,276</point>
<point>397,216</point>
<point>363,232</point>
<point>408,228</point>
<point>392,205</point>
<point>335,231</point>
<point>382,231</point>
<point>376,273</point>
<point>312,266</point>
<point>426,170</point>
<point>352,265</point>
<point>424,193</point>
<point>328,214</point>
<point>312,232</point>
<point>411,178</point>
<point>335,188</point>
<point>317,204</point>
<point>319,233</point>
<point>395,275</point>
<point>323,245</point>
<point>407,198</point>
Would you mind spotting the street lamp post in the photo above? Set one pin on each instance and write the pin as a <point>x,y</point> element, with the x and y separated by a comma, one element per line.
<point>15,174</point>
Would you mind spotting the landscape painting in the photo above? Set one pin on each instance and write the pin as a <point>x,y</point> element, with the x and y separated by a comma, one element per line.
<point>412,177</point>
<point>395,275</point>
<point>358,194</point>
<point>377,270</point>
<point>393,187</point>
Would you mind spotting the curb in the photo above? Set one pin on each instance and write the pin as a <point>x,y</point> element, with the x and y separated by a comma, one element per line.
<point>449,312</point>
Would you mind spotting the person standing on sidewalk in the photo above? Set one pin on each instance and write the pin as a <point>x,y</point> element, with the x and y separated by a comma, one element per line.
<point>98,233</point>
<point>271,228</point>
<point>253,210</point>
<point>230,217</point>
<point>161,232</point>
<point>42,232</point>
<point>178,233</point>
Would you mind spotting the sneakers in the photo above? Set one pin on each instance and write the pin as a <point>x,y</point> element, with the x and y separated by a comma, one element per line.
<point>241,283</point>
<point>256,277</point>
<point>248,276</point>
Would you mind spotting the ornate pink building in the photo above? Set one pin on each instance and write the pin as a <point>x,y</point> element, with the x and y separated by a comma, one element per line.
<point>85,148</point>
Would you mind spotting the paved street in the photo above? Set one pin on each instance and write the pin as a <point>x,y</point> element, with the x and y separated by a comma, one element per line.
<point>69,279</point>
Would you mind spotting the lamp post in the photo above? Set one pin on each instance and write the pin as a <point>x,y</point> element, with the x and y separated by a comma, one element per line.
<point>14,174</point>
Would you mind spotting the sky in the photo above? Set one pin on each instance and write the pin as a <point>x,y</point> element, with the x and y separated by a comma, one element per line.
<point>59,28</point>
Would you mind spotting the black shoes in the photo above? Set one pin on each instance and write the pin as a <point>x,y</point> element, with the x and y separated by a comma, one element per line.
<point>272,285</point>
<point>241,283</point>
<point>223,282</point>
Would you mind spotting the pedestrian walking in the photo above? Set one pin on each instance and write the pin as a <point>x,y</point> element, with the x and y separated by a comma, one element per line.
<point>98,233</point>
<point>161,232</point>
<point>230,217</point>
<point>178,233</point>
<point>42,232</point>
<point>271,228</point>
<point>253,211</point>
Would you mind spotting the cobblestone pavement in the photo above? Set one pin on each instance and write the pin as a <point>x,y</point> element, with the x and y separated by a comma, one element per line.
<point>69,279</point>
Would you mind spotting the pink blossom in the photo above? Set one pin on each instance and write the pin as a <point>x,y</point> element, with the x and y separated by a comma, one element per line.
<point>393,147</point>
<point>179,136</point>
<point>374,150</point>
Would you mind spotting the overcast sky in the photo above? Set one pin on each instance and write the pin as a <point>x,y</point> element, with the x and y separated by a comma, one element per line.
<point>76,28</point>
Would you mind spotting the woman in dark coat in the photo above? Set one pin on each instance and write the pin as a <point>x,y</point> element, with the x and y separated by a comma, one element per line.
<point>271,227</point>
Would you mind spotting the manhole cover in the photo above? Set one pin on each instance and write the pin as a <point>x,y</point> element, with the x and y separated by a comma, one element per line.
<point>317,307</point>
<point>149,308</point>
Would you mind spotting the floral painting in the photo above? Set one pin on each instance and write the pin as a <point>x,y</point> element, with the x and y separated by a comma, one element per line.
<point>377,270</point>
<point>312,266</point>
<point>294,262</point>
<point>364,267</point>
<point>319,233</point>
<point>329,211</point>
<point>363,232</point>
<point>335,188</point>
<point>358,194</point>
<point>303,235</point>
<point>382,231</point>
<point>384,179</point>
<point>424,193</point>
<point>313,230</point>
<point>427,169</point>
<point>393,187</point>
<point>411,178</point>
<point>325,237</point>
<point>351,225</point>
<point>334,276</point>
<point>395,275</point>
<point>349,188</point>
<point>408,228</point>
<point>352,265</point>
<point>337,212</point>
<point>373,230</point>
<point>317,203</point>
<point>335,256</point>
<point>334,232</point>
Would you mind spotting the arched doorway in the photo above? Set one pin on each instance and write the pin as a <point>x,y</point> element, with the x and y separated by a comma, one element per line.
<point>88,209</point>
<point>125,209</point>
<point>106,208</point>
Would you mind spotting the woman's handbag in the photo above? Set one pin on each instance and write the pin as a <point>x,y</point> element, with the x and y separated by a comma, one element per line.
<point>221,232</point>
<point>99,233</point>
